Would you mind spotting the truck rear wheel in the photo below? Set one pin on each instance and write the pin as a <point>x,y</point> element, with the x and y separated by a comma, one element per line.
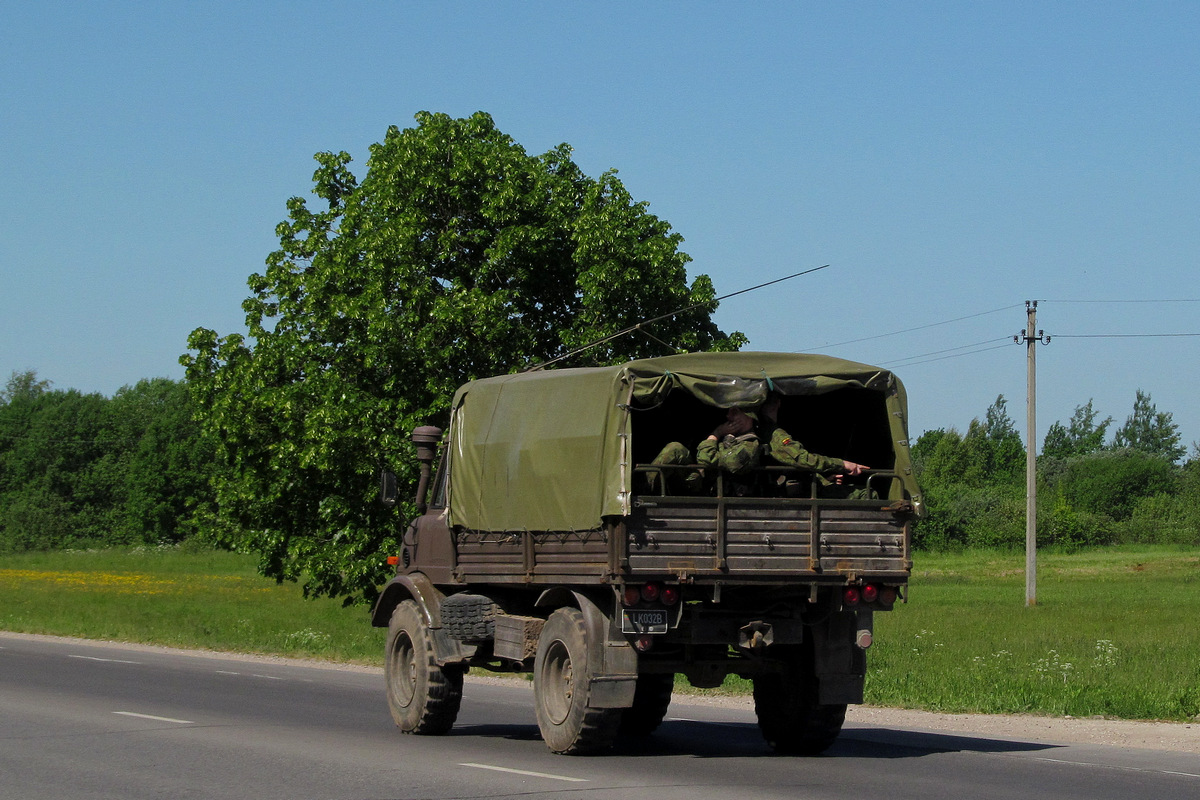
<point>650,702</point>
<point>561,679</point>
<point>789,716</point>
<point>422,696</point>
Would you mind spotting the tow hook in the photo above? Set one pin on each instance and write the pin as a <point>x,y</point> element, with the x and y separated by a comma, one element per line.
<point>756,636</point>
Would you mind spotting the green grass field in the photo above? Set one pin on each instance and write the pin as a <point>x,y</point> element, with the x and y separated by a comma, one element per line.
<point>179,598</point>
<point>1113,633</point>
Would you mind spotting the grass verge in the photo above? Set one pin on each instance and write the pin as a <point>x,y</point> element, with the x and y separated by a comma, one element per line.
<point>178,597</point>
<point>1113,633</point>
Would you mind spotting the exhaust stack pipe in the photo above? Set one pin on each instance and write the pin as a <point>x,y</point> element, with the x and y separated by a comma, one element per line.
<point>426,439</point>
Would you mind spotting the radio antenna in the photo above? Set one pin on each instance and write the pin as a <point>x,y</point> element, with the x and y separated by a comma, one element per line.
<point>652,320</point>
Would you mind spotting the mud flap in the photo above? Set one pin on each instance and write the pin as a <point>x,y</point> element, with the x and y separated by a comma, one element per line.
<point>840,664</point>
<point>614,676</point>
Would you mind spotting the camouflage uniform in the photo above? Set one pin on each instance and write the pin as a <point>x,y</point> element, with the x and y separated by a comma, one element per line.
<point>675,454</point>
<point>736,456</point>
<point>787,451</point>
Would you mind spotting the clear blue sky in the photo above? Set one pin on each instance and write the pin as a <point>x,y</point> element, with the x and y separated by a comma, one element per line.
<point>946,159</point>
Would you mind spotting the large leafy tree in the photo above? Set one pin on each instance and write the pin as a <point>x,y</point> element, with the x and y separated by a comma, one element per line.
<point>1081,436</point>
<point>457,256</point>
<point>1151,431</point>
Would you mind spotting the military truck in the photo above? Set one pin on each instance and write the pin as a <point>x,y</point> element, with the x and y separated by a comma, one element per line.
<point>548,541</point>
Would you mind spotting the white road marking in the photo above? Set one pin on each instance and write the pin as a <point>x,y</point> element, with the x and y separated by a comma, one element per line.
<point>1117,767</point>
<point>706,722</point>
<point>251,675</point>
<point>156,719</point>
<point>107,660</point>
<point>527,772</point>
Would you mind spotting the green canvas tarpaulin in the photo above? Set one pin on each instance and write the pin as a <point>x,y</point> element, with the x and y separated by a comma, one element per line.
<point>550,451</point>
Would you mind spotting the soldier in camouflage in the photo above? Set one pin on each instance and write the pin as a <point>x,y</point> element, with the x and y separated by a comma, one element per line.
<point>782,448</point>
<point>733,447</point>
<point>740,444</point>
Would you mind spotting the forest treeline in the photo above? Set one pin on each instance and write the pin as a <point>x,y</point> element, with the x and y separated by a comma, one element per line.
<point>84,470</point>
<point>1092,488</point>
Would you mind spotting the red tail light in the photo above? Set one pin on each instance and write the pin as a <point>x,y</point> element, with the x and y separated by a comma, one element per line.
<point>851,596</point>
<point>887,595</point>
<point>870,593</point>
<point>651,591</point>
<point>669,595</point>
<point>631,596</point>
<point>644,643</point>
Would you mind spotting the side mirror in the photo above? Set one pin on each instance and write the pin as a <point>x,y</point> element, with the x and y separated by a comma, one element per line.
<point>387,488</point>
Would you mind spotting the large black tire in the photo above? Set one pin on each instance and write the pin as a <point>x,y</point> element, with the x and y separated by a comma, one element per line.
<point>422,696</point>
<point>561,678</point>
<point>789,716</point>
<point>650,702</point>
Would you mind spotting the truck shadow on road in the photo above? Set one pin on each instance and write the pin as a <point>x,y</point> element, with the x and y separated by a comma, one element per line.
<point>699,739</point>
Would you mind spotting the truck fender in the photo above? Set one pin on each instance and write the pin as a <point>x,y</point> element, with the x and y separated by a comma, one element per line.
<point>413,586</point>
<point>417,587</point>
<point>614,674</point>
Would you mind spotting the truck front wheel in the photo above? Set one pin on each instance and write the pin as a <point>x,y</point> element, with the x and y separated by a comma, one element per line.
<point>422,696</point>
<point>561,680</point>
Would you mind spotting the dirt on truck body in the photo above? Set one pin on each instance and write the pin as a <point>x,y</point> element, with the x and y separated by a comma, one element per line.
<point>554,539</point>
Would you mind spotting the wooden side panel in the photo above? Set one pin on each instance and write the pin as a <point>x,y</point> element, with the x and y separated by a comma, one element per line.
<point>544,557</point>
<point>766,540</point>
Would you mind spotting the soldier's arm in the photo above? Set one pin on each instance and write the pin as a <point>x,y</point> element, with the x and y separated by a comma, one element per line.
<point>787,450</point>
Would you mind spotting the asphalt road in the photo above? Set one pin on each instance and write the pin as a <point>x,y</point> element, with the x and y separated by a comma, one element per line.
<point>79,721</point>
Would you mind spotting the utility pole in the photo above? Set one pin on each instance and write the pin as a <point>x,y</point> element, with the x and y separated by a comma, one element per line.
<point>1031,339</point>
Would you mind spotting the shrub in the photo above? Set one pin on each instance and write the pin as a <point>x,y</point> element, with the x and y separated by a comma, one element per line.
<point>1112,482</point>
<point>966,516</point>
<point>1162,519</point>
<point>34,519</point>
<point>1063,527</point>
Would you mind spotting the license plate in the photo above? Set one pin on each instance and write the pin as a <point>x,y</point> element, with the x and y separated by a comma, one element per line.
<point>644,620</point>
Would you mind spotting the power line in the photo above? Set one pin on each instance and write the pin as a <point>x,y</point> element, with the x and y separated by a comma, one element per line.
<point>1120,335</point>
<point>1168,300</point>
<point>908,363</point>
<point>920,327</point>
<point>946,350</point>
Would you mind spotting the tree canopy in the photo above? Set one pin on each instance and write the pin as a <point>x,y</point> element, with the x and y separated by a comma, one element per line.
<point>1083,435</point>
<point>1149,430</point>
<point>84,470</point>
<point>457,256</point>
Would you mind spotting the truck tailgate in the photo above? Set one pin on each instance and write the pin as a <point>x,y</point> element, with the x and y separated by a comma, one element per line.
<point>767,538</point>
